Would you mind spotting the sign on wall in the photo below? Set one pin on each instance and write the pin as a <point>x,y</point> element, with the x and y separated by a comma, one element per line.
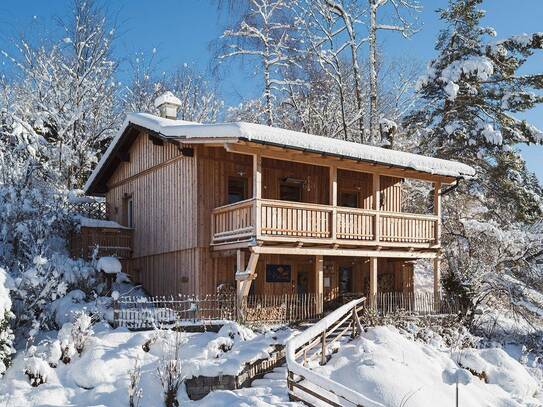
<point>278,273</point>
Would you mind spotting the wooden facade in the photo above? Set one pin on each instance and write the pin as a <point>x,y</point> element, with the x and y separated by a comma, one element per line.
<point>330,226</point>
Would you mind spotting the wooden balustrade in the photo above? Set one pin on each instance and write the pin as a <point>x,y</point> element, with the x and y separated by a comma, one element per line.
<point>353,224</point>
<point>297,220</point>
<point>233,222</point>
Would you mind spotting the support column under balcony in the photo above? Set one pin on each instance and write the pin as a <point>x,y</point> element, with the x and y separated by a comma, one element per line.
<point>373,282</point>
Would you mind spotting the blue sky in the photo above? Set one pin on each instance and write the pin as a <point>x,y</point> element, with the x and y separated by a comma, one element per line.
<point>181,31</point>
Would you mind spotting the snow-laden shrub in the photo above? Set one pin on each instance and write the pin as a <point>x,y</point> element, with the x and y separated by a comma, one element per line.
<point>73,335</point>
<point>495,366</point>
<point>135,392</point>
<point>236,332</point>
<point>34,221</point>
<point>6,335</point>
<point>169,369</point>
<point>37,370</point>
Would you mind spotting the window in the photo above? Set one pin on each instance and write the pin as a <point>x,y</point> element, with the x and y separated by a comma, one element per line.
<point>290,191</point>
<point>237,189</point>
<point>348,199</point>
<point>130,212</point>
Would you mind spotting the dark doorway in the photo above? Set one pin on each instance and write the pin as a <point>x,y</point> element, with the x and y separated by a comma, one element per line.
<point>303,282</point>
<point>345,280</point>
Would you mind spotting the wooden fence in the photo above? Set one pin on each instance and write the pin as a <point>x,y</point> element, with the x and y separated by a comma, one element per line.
<point>93,209</point>
<point>162,312</point>
<point>421,303</point>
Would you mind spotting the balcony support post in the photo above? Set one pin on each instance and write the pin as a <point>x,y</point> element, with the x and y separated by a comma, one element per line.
<point>244,279</point>
<point>437,282</point>
<point>319,283</point>
<point>333,200</point>
<point>377,206</point>
<point>257,192</point>
<point>437,212</point>
<point>373,282</point>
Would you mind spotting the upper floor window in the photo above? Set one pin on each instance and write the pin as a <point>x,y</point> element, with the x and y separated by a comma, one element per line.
<point>348,199</point>
<point>128,209</point>
<point>238,189</point>
<point>290,190</point>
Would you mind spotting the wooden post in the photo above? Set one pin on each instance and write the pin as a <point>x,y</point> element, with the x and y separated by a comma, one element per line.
<point>437,212</point>
<point>319,283</point>
<point>437,283</point>
<point>244,281</point>
<point>373,282</point>
<point>240,268</point>
<point>333,200</point>
<point>323,350</point>
<point>353,333</point>
<point>377,205</point>
<point>257,192</point>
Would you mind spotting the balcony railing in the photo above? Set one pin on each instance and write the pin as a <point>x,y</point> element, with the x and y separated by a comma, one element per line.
<point>266,219</point>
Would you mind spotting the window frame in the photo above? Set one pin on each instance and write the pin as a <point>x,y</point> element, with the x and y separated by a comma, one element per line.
<point>298,185</point>
<point>245,187</point>
<point>351,192</point>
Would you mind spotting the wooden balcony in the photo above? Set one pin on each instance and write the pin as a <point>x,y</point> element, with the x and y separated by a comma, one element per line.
<point>283,221</point>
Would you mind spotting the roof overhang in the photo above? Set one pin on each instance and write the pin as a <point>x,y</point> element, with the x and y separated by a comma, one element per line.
<point>181,132</point>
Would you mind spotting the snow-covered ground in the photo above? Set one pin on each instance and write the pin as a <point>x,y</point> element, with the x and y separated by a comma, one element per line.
<point>395,370</point>
<point>384,364</point>
<point>100,375</point>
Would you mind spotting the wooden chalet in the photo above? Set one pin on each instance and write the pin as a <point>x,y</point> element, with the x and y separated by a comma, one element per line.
<point>265,210</point>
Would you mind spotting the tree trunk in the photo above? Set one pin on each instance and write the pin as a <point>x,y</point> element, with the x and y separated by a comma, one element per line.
<point>267,92</point>
<point>373,72</point>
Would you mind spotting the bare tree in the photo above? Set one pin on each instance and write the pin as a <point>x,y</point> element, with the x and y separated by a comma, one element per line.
<point>264,32</point>
<point>350,16</point>
<point>66,89</point>
<point>399,24</point>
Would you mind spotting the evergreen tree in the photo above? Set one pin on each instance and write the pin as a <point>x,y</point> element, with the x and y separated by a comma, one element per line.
<point>472,91</point>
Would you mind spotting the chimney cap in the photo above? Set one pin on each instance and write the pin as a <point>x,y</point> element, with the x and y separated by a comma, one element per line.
<point>167,98</point>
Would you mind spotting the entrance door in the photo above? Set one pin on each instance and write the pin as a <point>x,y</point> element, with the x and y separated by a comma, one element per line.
<point>345,280</point>
<point>303,282</point>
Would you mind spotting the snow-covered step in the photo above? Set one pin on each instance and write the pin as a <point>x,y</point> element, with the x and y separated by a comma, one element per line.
<point>269,383</point>
<point>277,375</point>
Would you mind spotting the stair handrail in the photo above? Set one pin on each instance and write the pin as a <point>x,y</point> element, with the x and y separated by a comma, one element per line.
<point>306,339</point>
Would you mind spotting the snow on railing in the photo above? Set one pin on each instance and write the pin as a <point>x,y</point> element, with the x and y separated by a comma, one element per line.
<point>309,386</point>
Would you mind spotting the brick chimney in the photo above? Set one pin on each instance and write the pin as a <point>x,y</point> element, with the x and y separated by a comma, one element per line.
<point>168,105</point>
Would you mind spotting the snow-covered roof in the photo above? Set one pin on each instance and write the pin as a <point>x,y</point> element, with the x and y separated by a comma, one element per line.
<point>99,223</point>
<point>190,132</point>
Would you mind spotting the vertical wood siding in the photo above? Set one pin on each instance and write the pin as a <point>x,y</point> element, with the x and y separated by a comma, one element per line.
<point>173,197</point>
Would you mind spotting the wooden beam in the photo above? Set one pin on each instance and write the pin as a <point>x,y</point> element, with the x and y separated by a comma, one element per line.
<point>319,283</point>
<point>257,192</point>
<point>373,282</point>
<point>376,198</point>
<point>437,211</point>
<point>311,251</point>
<point>157,141</point>
<point>123,156</point>
<point>437,281</point>
<point>327,161</point>
<point>246,277</point>
<point>333,200</point>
